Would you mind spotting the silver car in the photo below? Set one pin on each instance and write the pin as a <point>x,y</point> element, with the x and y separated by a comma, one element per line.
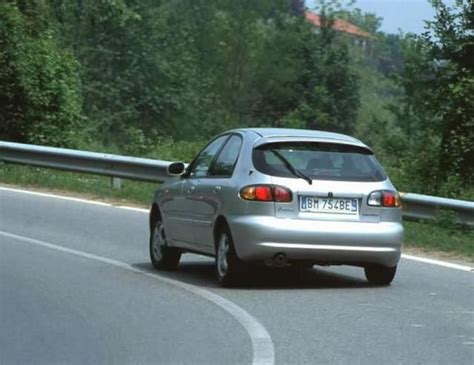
<point>282,197</point>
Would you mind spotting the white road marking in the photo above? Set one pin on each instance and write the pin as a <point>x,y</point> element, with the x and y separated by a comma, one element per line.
<point>85,201</point>
<point>49,195</point>
<point>262,345</point>
<point>135,209</point>
<point>404,256</point>
<point>437,262</point>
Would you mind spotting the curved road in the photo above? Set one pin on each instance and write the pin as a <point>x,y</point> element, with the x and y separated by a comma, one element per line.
<point>76,286</point>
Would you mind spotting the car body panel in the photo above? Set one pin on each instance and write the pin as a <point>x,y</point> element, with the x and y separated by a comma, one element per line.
<point>261,237</point>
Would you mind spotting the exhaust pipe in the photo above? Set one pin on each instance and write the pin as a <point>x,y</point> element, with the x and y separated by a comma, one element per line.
<point>279,260</point>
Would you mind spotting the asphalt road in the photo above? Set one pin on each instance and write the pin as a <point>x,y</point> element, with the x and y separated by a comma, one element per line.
<point>76,286</point>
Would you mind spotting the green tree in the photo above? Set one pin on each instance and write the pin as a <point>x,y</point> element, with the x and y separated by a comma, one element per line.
<point>328,84</point>
<point>439,84</point>
<point>40,100</point>
<point>450,48</point>
<point>184,69</point>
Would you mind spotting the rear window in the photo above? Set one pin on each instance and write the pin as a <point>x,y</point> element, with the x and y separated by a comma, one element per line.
<point>319,161</point>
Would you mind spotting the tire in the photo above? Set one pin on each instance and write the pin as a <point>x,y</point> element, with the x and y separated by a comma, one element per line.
<point>162,257</point>
<point>380,275</point>
<point>229,267</point>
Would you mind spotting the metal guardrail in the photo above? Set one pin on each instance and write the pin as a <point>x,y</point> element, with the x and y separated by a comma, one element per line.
<point>415,206</point>
<point>81,161</point>
<point>418,206</point>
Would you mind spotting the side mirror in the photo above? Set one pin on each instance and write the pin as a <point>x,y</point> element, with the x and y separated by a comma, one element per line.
<point>176,169</point>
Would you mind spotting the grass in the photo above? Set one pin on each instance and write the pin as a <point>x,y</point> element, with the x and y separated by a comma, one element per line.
<point>457,242</point>
<point>439,236</point>
<point>428,236</point>
<point>92,186</point>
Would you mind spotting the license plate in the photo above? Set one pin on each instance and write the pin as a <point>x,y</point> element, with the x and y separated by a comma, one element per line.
<point>329,205</point>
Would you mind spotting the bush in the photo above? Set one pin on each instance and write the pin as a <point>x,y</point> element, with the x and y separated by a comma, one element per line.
<point>165,148</point>
<point>40,100</point>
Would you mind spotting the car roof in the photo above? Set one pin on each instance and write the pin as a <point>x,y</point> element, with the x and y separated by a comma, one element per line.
<point>281,134</point>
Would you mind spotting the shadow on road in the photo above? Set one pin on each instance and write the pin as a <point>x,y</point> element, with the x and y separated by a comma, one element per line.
<point>201,273</point>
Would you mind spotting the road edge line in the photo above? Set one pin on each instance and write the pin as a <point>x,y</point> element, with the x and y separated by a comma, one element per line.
<point>70,198</point>
<point>262,344</point>
<point>438,262</point>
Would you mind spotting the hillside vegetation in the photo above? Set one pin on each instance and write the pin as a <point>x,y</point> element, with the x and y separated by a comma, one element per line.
<point>157,78</point>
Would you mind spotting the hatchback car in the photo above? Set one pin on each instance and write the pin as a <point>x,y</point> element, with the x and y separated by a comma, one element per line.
<point>282,197</point>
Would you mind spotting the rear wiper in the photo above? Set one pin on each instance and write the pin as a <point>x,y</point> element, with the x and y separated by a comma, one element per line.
<point>291,168</point>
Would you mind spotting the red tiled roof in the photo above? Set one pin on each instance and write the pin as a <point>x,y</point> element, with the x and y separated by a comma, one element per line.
<point>339,25</point>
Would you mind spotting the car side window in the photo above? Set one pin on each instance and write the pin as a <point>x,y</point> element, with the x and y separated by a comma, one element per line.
<point>224,164</point>
<point>203,161</point>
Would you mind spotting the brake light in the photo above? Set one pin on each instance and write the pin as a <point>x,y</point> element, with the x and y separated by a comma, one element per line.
<point>384,198</point>
<point>263,193</point>
<point>390,199</point>
<point>266,193</point>
<point>281,194</point>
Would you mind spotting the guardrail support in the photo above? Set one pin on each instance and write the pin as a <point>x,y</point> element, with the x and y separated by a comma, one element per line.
<point>116,182</point>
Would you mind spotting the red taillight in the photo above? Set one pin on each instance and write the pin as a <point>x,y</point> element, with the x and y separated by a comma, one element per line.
<point>281,194</point>
<point>266,193</point>
<point>389,199</point>
<point>263,193</point>
<point>384,198</point>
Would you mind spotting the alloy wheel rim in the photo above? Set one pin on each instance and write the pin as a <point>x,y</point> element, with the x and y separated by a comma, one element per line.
<point>159,241</point>
<point>222,253</point>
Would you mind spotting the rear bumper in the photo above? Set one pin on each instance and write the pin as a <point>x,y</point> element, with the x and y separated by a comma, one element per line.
<point>259,238</point>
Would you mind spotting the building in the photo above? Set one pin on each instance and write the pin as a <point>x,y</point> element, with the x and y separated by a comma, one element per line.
<point>358,36</point>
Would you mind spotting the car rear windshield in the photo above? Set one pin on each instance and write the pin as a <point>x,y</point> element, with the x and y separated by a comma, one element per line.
<point>320,161</point>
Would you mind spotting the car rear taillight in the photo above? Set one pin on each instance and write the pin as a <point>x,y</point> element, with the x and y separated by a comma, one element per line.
<point>263,193</point>
<point>384,198</point>
<point>266,193</point>
<point>282,195</point>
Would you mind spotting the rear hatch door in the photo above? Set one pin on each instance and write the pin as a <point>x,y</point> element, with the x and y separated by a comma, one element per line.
<point>328,200</point>
<point>329,180</point>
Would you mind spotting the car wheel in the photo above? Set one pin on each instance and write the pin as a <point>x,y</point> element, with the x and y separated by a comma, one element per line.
<point>228,265</point>
<point>162,257</point>
<point>380,275</point>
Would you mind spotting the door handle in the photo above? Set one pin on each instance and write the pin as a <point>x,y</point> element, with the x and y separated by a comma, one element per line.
<point>190,189</point>
<point>217,189</point>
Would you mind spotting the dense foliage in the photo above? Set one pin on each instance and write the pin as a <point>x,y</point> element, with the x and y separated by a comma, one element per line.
<point>417,104</point>
<point>40,95</point>
<point>432,134</point>
<point>436,113</point>
<point>132,76</point>
<point>185,69</point>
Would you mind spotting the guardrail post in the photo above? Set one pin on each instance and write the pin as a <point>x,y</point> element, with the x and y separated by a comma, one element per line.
<point>116,182</point>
